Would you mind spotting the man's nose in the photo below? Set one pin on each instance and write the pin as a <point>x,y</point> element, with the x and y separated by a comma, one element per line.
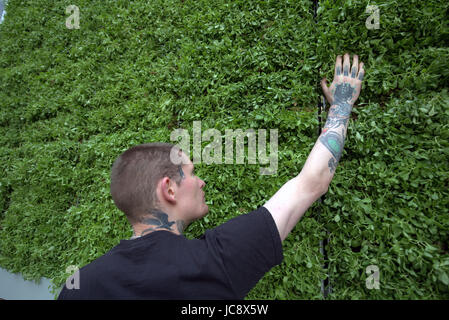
<point>202,183</point>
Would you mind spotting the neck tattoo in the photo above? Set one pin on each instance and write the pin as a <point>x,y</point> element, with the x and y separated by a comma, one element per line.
<point>158,220</point>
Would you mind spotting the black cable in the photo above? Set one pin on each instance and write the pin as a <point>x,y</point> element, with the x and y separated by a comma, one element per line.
<point>325,284</point>
<point>326,288</point>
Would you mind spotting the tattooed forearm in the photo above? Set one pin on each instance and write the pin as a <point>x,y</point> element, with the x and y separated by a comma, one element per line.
<point>334,142</point>
<point>333,122</point>
<point>342,94</point>
<point>337,120</point>
<point>332,165</point>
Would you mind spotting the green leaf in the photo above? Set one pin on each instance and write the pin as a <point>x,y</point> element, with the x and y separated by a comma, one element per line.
<point>444,278</point>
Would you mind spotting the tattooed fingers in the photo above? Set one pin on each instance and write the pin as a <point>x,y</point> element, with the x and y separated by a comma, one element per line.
<point>338,66</point>
<point>355,66</point>
<point>346,65</point>
<point>361,72</point>
<point>343,67</point>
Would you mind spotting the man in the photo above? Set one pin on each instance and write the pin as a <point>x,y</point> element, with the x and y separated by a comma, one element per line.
<point>161,197</point>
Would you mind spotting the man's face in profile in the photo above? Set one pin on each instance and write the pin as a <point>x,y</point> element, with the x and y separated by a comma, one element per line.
<point>190,193</point>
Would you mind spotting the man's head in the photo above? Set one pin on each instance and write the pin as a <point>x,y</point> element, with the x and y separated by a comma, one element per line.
<point>145,178</point>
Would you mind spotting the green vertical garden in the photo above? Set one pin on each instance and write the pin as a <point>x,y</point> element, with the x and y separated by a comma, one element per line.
<point>71,100</point>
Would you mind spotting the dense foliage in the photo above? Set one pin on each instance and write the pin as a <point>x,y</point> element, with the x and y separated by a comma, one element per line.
<point>71,100</point>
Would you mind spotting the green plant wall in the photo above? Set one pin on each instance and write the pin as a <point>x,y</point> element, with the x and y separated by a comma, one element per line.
<point>71,100</point>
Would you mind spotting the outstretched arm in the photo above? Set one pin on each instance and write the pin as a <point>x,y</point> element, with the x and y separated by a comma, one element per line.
<point>290,203</point>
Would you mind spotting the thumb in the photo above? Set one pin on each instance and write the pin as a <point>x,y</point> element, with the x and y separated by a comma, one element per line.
<point>324,83</point>
<point>326,90</point>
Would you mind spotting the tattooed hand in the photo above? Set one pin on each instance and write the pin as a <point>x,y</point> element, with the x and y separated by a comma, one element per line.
<point>345,89</point>
<point>342,94</point>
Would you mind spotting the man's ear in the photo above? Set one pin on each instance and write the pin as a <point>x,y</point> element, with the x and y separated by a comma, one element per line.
<point>167,190</point>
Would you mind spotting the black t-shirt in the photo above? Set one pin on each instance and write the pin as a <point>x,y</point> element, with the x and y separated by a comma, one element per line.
<point>225,263</point>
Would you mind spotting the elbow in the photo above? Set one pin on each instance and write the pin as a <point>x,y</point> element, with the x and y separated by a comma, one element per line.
<point>322,190</point>
<point>312,186</point>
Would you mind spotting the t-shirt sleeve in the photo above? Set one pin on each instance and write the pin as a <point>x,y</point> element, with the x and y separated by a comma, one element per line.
<point>249,246</point>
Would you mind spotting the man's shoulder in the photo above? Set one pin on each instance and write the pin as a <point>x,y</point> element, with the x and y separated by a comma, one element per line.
<point>257,218</point>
